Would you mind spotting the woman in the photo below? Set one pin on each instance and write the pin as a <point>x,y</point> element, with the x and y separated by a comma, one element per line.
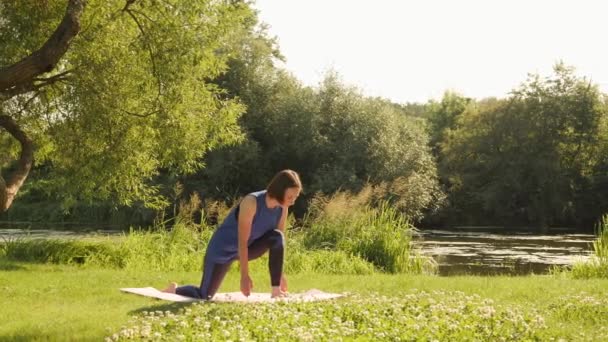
<point>251,228</point>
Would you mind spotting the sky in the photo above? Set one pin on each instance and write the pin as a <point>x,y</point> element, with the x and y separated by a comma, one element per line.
<point>413,51</point>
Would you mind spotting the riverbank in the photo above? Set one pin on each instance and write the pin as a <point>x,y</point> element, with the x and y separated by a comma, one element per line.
<point>60,302</point>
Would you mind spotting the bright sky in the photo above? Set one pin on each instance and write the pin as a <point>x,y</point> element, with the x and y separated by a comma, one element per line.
<point>410,51</point>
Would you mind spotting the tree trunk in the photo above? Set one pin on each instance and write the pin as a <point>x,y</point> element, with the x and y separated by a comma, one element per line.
<point>19,77</point>
<point>9,189</point>
<point>541,214</point>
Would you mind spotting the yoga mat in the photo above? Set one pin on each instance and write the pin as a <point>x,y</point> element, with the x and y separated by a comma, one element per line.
<point>308,296</point>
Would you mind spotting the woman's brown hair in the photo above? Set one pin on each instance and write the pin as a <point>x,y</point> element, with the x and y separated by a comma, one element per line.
<point>282,181</point>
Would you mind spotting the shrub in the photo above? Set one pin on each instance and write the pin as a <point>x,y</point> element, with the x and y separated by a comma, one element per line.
<point>597,267</point>
<point>379,235</point>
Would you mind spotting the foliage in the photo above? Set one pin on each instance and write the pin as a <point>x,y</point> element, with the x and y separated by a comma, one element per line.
<point>589,269</point>
<point>529,158</point>
<point>600,245</point>
<point>159,93</point>
<point>381,235</point>
<point>136,99</point>
<point>336,138</point>
<point>597,267</point>
<point>443,116</point>
<point>302,261</point>
<point>52,251</point>
<point>180,249</point>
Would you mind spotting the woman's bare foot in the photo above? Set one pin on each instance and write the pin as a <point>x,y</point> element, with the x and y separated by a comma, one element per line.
<point>171,288</point>
<point>277,293</point>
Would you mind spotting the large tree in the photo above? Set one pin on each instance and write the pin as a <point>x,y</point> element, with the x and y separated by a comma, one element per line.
<point>528,159</point>
<point>109,93</point>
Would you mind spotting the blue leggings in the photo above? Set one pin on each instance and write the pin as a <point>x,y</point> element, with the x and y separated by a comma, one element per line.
<point>214,273</point>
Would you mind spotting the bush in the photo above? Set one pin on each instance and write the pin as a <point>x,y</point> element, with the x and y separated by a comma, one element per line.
<point>379,235</point>
<point>597,267</point>
<point>327,262</point>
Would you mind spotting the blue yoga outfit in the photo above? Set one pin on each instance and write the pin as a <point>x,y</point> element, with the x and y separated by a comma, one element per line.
<point>222,249</point>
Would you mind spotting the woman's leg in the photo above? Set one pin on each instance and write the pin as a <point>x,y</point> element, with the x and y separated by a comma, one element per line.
<point>213,275</point>
<point>211,283</point>
<point>274,243</point>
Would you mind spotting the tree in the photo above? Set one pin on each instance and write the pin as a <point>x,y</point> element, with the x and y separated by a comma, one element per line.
<point>119,92</point>
<point>253,78</point>
<point>444,115</point>
<point>526,159</point>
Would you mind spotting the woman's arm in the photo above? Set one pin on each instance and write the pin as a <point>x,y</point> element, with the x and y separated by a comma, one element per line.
<point>283,220</point>
<point>281,226</point>
<point>246,213</point>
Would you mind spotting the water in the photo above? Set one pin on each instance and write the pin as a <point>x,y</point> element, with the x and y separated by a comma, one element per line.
<point>8,234</point>
<point>484,252</point>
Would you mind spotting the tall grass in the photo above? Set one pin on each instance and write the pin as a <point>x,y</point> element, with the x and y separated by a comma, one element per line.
<point>597,267</point>
<point>378,234</point>
<point>180,248</point>
<point>343,234</point>
<point>52,250</point>
<point>600,245</point>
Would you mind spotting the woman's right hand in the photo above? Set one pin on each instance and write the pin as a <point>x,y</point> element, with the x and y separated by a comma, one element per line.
<point>246,285</point>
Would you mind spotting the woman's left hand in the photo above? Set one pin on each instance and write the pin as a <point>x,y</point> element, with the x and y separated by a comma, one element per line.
<point>283,285</point>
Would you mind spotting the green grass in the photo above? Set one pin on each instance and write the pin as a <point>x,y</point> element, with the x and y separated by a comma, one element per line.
<point>63,302</point>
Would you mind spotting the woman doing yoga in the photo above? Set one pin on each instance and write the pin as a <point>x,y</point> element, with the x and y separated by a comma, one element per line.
<point>256,225</point>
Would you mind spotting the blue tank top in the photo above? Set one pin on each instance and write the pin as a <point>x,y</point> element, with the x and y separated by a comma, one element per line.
<point>223,246</point>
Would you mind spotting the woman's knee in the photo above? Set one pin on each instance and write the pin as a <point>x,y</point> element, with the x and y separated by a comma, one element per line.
<point>277,238</point>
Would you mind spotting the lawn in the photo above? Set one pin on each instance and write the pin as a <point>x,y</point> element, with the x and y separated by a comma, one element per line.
<point>62,303</point>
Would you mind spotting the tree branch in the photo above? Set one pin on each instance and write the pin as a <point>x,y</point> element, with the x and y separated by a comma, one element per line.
<point>54,78</point>
<point>128,4</point>
<point>27,103</point>
<point>9,94</point>
<point>9,189</point>
<point>149,47</point>
<point>145,115</point>
<point>18,77</point>
<point>143,15</point>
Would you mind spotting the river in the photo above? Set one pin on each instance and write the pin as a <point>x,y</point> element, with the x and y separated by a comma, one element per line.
<point>7,234</point>
<point>487,252</point>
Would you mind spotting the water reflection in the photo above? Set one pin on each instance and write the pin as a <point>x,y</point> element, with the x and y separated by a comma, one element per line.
<point>493,253</point>
<point>7,234</point>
